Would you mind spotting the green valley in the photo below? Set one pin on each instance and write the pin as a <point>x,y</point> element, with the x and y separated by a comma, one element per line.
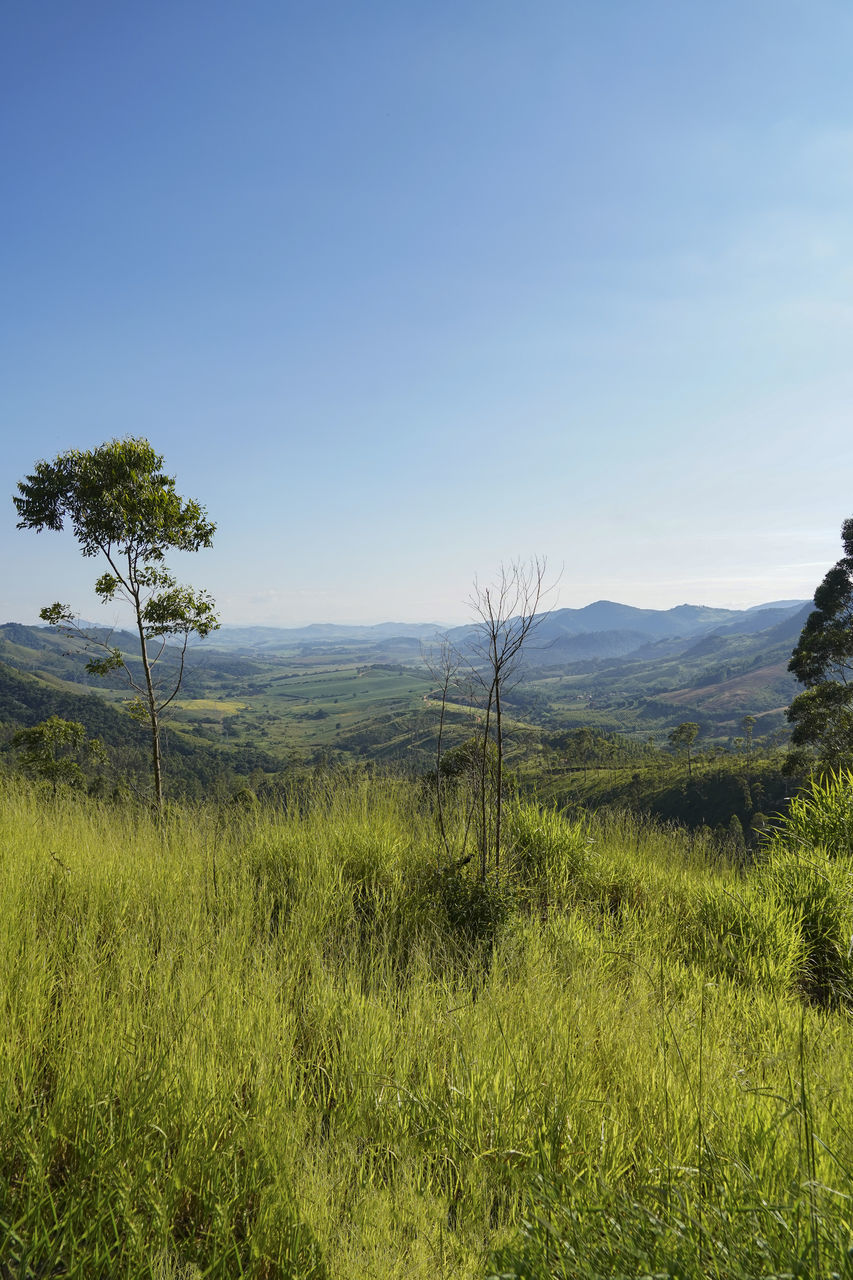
<point>258,706</point>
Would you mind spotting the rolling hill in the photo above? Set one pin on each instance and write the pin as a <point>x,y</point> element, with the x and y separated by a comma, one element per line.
<point>263,697</point>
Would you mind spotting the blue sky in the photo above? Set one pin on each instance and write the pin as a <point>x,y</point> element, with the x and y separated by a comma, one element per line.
<point>403,290</point>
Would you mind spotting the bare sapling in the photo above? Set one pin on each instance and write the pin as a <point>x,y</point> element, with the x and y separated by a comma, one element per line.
<point>488,663</point>
<point>507,611</point>
<point>446,667</point>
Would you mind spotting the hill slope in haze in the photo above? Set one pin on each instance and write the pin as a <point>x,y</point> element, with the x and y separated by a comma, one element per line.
<point>365,693</point>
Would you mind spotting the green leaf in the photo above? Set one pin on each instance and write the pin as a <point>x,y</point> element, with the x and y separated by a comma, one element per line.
<point>57,614</point>
<point>103,666</point>
<point>106,586</point>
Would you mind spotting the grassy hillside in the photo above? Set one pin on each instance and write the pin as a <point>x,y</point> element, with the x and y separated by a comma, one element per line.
<point>286,1043</point>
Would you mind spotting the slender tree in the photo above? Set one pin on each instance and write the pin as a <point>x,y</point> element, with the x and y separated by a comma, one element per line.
<point>583,746</point>
<point>123,507</point>
<point>684,736</point>
<point>748,723</point>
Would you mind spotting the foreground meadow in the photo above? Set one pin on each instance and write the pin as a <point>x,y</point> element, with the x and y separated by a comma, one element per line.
<point>289,1044</point>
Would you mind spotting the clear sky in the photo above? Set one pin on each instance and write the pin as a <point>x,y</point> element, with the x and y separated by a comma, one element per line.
<point>402,290</point>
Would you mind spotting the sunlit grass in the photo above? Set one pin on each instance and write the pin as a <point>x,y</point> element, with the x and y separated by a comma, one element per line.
<point>287,1043</point>
<point>226,706</point>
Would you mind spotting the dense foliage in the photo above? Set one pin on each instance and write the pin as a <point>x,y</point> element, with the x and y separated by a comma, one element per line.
<point>822,715</point>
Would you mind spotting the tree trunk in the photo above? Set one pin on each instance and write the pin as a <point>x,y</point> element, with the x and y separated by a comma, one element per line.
<point>153,717</point>
<point>484,812</point>
<point>499,770</point>
<point>439,797</point>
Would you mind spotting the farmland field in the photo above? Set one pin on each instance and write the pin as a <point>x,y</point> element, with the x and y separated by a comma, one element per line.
<point>286,707</point>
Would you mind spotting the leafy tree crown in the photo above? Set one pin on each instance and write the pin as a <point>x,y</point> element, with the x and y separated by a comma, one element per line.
<point>117,499</point>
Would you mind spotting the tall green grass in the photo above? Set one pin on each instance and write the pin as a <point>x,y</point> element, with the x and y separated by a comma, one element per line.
<point>821,816</point>
<point>287,1043</point>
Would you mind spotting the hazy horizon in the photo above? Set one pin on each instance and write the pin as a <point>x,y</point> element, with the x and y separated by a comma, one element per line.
<point>120,621</point>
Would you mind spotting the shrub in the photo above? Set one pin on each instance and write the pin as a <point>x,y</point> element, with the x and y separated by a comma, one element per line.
<point>548,854</point>
<point>821,815</point>
<point>470,911</point>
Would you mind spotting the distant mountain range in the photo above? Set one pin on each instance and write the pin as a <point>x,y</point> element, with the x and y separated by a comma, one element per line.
<point>600,632</point>
<point>274,639</point>
<point>715,676</point>
<point>608,664</point>
<point>608,629</point>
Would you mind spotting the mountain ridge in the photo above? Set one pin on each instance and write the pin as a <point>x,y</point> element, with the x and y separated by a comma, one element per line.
<point>597,618</point>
